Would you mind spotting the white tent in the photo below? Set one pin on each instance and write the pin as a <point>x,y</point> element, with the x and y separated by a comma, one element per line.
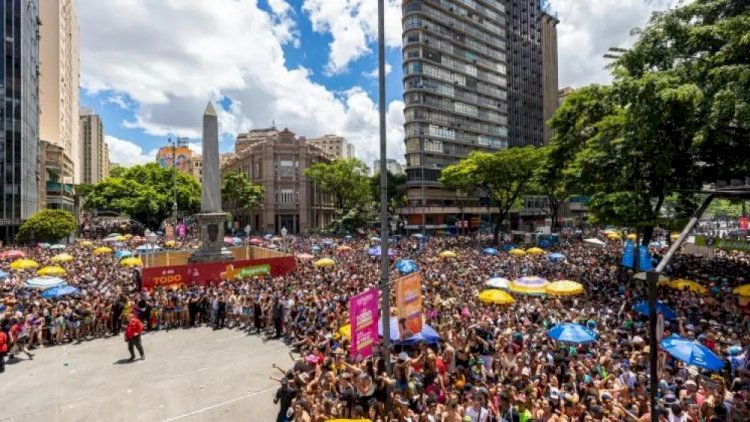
<point>594,241</point>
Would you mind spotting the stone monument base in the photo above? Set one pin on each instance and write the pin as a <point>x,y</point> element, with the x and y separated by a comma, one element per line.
<point>212,239</point>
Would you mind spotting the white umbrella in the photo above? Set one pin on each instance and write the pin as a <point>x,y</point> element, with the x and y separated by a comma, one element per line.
<point>497,283</point>
<point>594,241</point>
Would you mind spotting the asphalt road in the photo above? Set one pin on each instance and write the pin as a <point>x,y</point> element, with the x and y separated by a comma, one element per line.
<point>188,375</point>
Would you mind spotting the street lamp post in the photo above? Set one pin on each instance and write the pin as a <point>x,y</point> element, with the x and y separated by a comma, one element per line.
<point>247,242</point>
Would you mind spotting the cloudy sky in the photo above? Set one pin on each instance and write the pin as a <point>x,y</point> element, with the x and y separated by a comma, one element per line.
<point>149,66</point>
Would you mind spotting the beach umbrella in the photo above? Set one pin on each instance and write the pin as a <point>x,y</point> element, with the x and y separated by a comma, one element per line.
<point>556,257</point>
<point>256,241</point>
<point>14,254</point>
<point>23,264</point>
<point>44,245</point>
<point>517,252</point>
<point>87,243</point>
<point>448,254</point>
<point>59,291</point>
<point>63,257</point>
<point>128,236</point>
<point>683,284</point>
<point>631,236</point>
<point>148,248</point>
<point>227,240</point>
<point>614,236</point>
<point>495,296</point>
<point>594,241</point>
<point>123,254</point>
<point>115,234</point>
<point>304,256</point>
<point>325,263</point>
<point>3,274</point>
<point>529,285</point>
<point>642,276</point>
<point>236,241</point>
<point>52,270</point>
<point>328,242</point>
<point>406,266</point>
<point>131,262</point>
<point>102,250</point>
<point>119,245</point>
<point>45,282</point>
<point>661,308</point>
<point>565,288</point>
<point>692,353</point>
<point>498,283</point>
<point>743,290</point>
<point>315,248</point>
<point>572,333</point>
<point>674,236</point>
<point>535,251</point>
<point>490,251</point>
<point>170,243</point>
<point>111,239</point>
<point>343,249</point>
<point>346,331</point>
<point>57,247</point>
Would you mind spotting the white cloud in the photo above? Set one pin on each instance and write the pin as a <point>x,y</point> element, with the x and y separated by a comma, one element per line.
<point>353,24</point>
<point>119,101</point>
<point>373,74</point>
<point>127,153</point>
<point>212,50</point>
<point>284,26</point>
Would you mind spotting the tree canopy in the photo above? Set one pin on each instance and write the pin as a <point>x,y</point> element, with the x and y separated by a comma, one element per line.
<point>346,180</point>
<point>395,198</point>
<point>145,193</point>
<point>239,194</point>
<point>48,225</point>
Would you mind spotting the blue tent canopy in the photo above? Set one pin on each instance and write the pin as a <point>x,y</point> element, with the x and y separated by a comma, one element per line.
<point>60,291</point>
<point>661,308</point>
<point>572,333</point>
<point>427,335</point>
<point>692,353</point>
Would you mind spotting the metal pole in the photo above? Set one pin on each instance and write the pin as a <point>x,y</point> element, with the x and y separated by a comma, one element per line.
<point>174,176</point>
<point>384,260</point>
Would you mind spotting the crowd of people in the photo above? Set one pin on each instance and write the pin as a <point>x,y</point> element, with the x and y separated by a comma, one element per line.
<point>491,362</point>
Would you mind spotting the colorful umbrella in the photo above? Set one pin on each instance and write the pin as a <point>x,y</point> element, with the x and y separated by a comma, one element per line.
<point>631,236</point>
<point>63,257</point>
<point>661,308</point>
<point>406,266</point>
<point>572,333</point>
<point>743,290</point>
<point>565,288</point>
<point>682,284</point>
<point>131,262</point>
<point>57,247</point>
<point>490,251</point>
<point>343,249</point>
<point>256,241</point>
<point>60,291</point>
<point>448,254</point>
<point>535,251</point>
<point>497,283</point>
<point>614,236</point>
<point>52,270</point>
<point>495,296</point>
<point>376,252</point>
<point>12,254</point>
<point>674,236</point>
<point>44,282</point>
<point>529,285</point>
<point>304,256</point>
<point>23,264</point>
<point>115,234</point>
<point>102,250</point>
<point>692,353</point>
<point>87,243</point>
<point>325,263</point>
<point>594,241</point>
<point>123,254</point>
<point>517,252</point>
<point>556,257</point>
<point>346,331</point>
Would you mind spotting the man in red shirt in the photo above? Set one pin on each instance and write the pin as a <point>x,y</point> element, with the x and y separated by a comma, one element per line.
<point>133,336</point>
<point>3,349</point>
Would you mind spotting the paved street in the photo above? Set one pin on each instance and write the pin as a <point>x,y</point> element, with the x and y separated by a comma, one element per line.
<point>188,375</point>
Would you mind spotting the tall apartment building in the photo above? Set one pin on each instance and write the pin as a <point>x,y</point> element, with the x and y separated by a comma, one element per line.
<point>549,70</point>
<point>391,166</point>
<point>94,159</point>
<point>59,80</point>
<point>456,96</point>
<point>336,147</point>
<point>278,163</point>
<point>351,150</point>
<point>19,127</point>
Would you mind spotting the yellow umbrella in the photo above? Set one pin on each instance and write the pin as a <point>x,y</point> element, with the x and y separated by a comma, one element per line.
<point>170,243</point>
<point>102,250</point>
<point>121,238</point>
<point>495,296</point>
<point>325,262</point>
<point>131,262</point>
<point>87,243</point>
<point>128,236</point>
<point>517,252</point>
<point>23,264</point>
<point>63,257</point>
<point>346,331</point>
<point>614,236</point>
<point>535,251</point>
<point>529,285</point>
<point>52,270</point>
<point>743,290</point>
<point>565,288</point>
<point>631,236</point>
<point>448,254</point>
<point>674,236</point>
<point>682,284</point>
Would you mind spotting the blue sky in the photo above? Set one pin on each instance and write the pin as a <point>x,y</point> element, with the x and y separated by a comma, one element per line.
<point>148,67</point>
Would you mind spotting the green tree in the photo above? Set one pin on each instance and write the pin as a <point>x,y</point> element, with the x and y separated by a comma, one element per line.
<point>504,176</point>
<point>346,180</point>
<point>145,193</point>
<point>395,198</point>
<point>48,225</point>
<point>548,182</point>
<point>239,194</point>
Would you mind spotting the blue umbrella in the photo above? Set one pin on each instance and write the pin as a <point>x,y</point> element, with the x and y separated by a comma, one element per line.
<point>123,254</point>
<point>508,247</point>
<point>3,274</point>
<point>44,245</point>
<point>60,291</point>
<point>406,266</point>
<point>661,308</point>
<point>572,333</point>
<point>315,248</point>
<point>236,240</point>
<point>427,335</point>
<point>490,251</point>
<point>376,251</point>
<point>556,257</point>
<point>692,353</point>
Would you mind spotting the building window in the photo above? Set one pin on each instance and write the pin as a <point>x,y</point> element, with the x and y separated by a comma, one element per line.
<point>287,196</point>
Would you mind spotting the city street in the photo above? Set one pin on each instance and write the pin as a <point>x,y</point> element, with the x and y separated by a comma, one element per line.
<point>188,375</point>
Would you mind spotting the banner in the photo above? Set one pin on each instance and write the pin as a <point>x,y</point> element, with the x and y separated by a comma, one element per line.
<point>409,303</point>
<point>726,244</point>
<point>363,317</point>
<point>169,232</point>
<point>628,254</point>
<point>644,259</point>
<point>744,223</point>
<point>181,230</point>
<point>212,273</point>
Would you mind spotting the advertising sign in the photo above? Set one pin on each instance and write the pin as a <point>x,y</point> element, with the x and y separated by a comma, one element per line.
<point>169,232</point>
<point>409,304</point>
<point>744,223</point>
<point>210,273</point>
<point>181,230</point>
<point>363,317</point>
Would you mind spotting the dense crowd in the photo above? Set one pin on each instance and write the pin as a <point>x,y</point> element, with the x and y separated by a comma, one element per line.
<point>491,363</point>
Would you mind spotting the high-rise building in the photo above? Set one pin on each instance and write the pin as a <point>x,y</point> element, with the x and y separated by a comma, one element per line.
<point>59,69</point>
<point>19,126</point>
<point>94,159</point>
<point>549,70</point>
<point>392,166</point>
<point>196,166</point>
<point>456,96</point>
<point>563,94</point>
<point>336,147</point>
<point>351,150</point>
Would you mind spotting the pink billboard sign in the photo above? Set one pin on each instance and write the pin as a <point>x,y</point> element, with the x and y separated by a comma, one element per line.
<point>363,317</point>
